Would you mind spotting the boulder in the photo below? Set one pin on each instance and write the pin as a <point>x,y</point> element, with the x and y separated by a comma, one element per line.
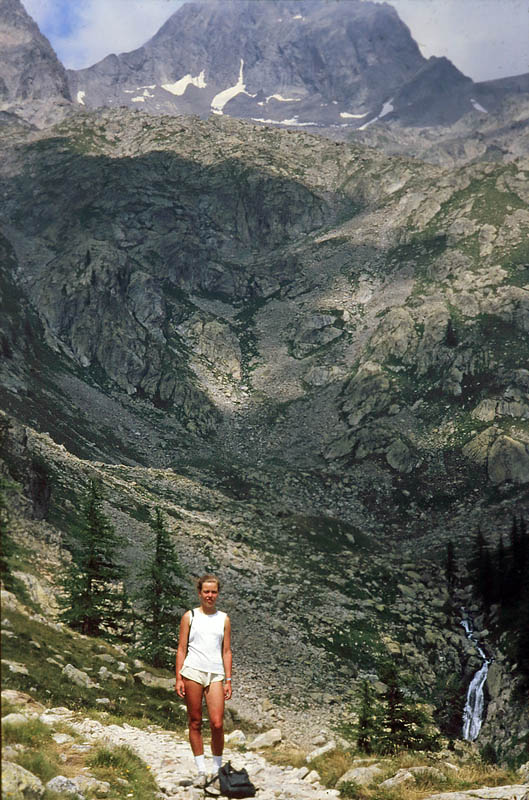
<point>236,737</point>
<point>266,739</point>
<point>63,785</point>
<point>402,776</point>
<point>15,719</point>
<point>40,593</point>
<point>79,677</point>
<point>15,666</point>
<point>368,392</point>
<point>361,775</point>
<point>148,679</point>
<point>508,461</point>
<point>320,751</point>
<point>20,784</point>
<point>399,456</point>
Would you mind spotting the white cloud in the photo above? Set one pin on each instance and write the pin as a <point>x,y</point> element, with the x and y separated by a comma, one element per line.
<point>96,28</point>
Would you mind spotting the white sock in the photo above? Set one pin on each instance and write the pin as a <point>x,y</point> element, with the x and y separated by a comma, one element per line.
<point>217,762</point>
<point>200,762</point>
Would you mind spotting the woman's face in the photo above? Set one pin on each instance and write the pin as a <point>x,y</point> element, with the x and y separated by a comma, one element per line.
<point>208,594</point>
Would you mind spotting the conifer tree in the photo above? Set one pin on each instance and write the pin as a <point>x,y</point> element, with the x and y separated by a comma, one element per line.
<point>162,599</point>
<point>94,600</point>
<point>368,727</point>
<point>483,570</point>
<point>405,725</point>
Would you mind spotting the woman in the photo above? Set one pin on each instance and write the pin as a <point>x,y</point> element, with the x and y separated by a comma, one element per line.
<point>203,668</point>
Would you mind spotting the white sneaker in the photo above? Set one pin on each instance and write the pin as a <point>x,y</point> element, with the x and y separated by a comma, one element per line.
<point>213,787</point>
<point>200,780</point>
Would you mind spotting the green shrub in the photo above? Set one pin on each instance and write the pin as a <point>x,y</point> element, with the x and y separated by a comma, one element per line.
<point>43,766</point>
<point>32,733</point>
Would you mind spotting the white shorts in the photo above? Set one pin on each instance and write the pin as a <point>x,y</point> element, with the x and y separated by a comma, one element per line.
<point>198,676</point>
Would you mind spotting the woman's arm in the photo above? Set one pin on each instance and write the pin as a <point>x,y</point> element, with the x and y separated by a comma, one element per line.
<point>227,658</point>
<point>181,653</point>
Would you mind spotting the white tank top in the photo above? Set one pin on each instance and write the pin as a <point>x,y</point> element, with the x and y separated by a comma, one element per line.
<point>204,650</point>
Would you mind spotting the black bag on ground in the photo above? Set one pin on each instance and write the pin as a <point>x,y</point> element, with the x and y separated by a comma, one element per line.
<point>233,782</point>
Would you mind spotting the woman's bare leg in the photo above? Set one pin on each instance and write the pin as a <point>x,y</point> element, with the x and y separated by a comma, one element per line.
<point>194,694</point>
<point>215,703</point>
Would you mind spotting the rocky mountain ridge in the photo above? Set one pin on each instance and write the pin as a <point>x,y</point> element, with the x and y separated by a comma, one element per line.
<point>33,82</point>
<point>297,63</point>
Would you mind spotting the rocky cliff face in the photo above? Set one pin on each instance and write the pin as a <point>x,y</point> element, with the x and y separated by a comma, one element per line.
<point>33,82</point>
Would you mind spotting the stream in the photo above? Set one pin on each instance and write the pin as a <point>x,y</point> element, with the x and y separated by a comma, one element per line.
<point>473,711</point>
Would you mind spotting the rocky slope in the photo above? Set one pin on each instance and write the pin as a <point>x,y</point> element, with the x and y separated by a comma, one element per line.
<point>313,357</point>
<point>33,82</point>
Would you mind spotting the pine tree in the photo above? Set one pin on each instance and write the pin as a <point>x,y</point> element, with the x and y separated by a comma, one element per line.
<point>451,339</point>
<point>162,599</point>
<point>482,569</point>
<point>368,728</point>
<point>405,725</point>
<point>94,600</point>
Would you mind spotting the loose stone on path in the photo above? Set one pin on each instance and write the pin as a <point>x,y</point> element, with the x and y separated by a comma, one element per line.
<point>173,769</point>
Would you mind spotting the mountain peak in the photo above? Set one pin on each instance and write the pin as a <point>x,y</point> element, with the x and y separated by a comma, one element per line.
<point>31,76</point>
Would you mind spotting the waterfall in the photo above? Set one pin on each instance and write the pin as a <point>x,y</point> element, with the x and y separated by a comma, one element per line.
<point>473,711</point>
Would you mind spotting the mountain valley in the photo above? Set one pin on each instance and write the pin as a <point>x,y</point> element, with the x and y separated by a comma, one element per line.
<point>310,354</point>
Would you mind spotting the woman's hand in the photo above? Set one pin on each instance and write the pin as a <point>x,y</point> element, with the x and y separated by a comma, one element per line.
<point>180,687</point>
<point>227,690</point>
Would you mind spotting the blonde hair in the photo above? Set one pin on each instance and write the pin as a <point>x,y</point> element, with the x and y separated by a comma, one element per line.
<point>207,579</point>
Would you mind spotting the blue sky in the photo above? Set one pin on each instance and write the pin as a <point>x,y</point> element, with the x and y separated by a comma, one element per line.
<point>484,38</point>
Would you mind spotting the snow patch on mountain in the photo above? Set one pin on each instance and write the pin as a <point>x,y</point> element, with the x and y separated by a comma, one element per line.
<point>294,122</point>
<point>282,99</point>
<point>478,106</point>
<point>180,86</point>
<point>220,99</point>
<point>347,115</point>
<point>387,108</point>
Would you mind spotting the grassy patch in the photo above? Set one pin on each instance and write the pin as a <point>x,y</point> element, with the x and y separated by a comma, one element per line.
<point>32,733</point>
<point>45,681</point>
<point>44,765</point>
<point>119,764</point>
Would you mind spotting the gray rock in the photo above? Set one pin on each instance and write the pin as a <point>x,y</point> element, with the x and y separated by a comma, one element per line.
<point>20,784</point>
<point>235,737</point>
<point>508,461</point>
<point>15,719</point>
<point>65,786</point>
<point>320,751</point>
<point>361,775</point>
<point>402,776</point>
<point>79,677</point>
<point>266,739</point>
<point>148,679</point>
<point>87,783</point>
<point>15,666</point>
